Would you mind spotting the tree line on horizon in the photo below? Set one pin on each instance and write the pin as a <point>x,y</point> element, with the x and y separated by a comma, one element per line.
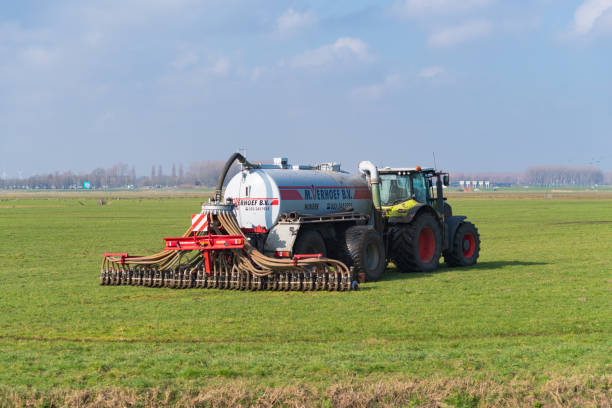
<point>121,175</point>
<point>544,176</point>
<point>206,173</point>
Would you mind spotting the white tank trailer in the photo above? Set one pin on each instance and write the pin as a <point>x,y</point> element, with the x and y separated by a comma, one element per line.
<point>263,194</point>
<point>282,199</point>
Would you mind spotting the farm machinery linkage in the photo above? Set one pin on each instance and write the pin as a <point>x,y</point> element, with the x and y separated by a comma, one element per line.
<point>224,259</point>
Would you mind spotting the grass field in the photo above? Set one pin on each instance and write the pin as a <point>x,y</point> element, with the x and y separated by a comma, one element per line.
<point>531,324</point>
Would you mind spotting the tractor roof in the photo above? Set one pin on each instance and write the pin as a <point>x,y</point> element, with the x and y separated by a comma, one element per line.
<point>407,170</point>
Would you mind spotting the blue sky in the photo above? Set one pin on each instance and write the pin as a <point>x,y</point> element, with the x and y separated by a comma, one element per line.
<point>488,85</point>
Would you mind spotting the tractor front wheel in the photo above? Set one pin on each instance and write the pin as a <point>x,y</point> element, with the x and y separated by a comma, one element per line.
<point>416,246</point>
<point>465,246</point>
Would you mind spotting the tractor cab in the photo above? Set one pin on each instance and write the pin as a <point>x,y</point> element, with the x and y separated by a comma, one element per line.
<point>402,189</point>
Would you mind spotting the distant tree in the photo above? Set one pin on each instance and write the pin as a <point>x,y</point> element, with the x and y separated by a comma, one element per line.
<point>206,173</point>
<point>563,176</point>
<point>98,177</point>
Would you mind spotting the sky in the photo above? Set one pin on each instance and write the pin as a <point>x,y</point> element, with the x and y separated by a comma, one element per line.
<point>485,85</point>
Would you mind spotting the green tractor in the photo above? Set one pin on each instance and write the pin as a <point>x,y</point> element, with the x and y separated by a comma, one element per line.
<point>416,222</point>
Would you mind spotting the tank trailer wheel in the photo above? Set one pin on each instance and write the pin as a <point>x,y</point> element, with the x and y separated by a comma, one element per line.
<point>366,251</point>
<point>417,246</point>
<point>465,247</point>
<point>310,242</point>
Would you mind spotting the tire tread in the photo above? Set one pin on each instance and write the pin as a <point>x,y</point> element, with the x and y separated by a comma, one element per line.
<point>355,238</point>
<point>454,256</point>
<point>404,245</point>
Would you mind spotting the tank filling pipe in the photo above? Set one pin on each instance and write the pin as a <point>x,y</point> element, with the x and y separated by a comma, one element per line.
<point>228,164</point>
<point>371,171</point>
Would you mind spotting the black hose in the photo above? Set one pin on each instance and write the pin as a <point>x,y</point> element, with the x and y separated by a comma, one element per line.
<point>226,168</point>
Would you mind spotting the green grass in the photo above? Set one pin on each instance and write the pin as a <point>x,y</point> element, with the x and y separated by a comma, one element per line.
<point>538,306</point>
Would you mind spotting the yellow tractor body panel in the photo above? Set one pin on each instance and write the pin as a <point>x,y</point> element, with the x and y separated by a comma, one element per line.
<point>399,210</point>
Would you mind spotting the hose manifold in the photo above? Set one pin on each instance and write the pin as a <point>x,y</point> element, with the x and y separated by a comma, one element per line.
<point>215,209</point>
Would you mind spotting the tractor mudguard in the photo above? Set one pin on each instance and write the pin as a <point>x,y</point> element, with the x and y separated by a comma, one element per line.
<point>450,226</point>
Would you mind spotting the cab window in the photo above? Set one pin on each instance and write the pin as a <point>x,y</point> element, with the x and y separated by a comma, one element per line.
<point>419,189</point>
<point>394,189</point>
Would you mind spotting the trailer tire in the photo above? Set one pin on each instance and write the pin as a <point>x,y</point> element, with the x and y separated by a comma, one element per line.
<point>310,242</point>
<point>365,251</point>
<point>416,247</point>
<point>465,247</point>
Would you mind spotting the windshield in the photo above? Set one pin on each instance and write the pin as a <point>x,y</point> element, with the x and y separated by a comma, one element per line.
<point>394,189</point>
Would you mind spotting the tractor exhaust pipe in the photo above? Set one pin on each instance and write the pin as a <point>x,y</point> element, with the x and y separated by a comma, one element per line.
<point>371,171</point>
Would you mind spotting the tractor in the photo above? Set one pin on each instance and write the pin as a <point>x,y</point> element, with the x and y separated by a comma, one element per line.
<point>416,222</point>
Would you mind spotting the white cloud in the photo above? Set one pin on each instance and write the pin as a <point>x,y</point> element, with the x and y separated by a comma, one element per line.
<point>221,66</point>
<point>39,56</point>
<point>292,20</point>
<point>377,91</point>
<point>431,72</point>
<point>345,48</point>
<point>258,72</point>
<point>191,61</point>
<point>588,15</point>
<point>185,60</point>
<point>458,34</point>
<point>420,8</point>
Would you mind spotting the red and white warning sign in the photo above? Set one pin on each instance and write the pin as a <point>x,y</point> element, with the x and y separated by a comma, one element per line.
<point>199,222</point>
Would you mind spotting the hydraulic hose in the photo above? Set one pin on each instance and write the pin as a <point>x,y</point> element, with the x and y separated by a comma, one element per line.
<point>228,164</point>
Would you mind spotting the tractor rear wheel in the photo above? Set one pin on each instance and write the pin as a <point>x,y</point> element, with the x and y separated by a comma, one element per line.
<point>310,242</point>
<point>416,246</point>
<point>465,247</point>
<point>365,251</point>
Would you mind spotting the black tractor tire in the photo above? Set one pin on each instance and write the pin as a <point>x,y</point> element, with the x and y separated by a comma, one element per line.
<point>465,247</point>
<point>365,251</point>
<point>416,246</point>
<point>310,242</point>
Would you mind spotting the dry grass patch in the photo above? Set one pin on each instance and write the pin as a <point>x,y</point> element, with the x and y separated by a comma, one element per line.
<point>587,391</point>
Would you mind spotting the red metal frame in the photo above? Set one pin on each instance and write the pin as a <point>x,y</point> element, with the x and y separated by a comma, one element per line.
<point>123,256</point>
<point>297,257</point>
<point>204,243</point>
<point>256,230</point>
